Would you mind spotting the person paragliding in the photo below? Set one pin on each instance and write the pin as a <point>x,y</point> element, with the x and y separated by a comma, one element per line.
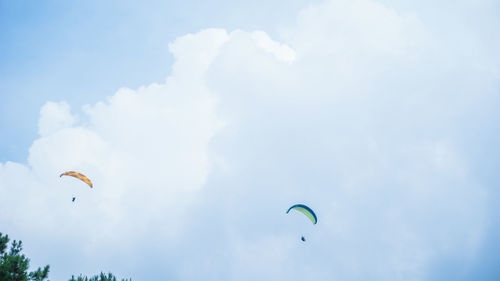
<point>79,176</point>
<point>308,212</point>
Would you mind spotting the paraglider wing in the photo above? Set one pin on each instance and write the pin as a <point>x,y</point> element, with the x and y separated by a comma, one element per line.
<point>306,211</point>
<point>78,176</point>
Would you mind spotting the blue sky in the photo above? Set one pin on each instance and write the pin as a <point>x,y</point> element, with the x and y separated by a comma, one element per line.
<point>201,123</point>
<point>48,47</point>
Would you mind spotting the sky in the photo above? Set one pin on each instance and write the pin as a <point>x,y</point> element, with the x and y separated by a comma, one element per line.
<point>200,123</point>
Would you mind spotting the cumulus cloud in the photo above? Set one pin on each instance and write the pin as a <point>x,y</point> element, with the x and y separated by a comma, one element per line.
<point>53,117</point>
<point>355,114</point>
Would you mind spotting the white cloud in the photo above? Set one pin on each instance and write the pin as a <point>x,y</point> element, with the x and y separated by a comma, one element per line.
<point>53,117</point>
<point>145,150</point>
<point>280,51</point>
<point>349,115</point>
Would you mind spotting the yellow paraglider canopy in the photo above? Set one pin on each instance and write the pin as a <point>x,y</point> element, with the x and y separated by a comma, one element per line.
<point>79,176</point>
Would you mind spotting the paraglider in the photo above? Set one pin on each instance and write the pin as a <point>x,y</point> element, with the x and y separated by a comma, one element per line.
<point>79,176</point>
<point>306,211</point>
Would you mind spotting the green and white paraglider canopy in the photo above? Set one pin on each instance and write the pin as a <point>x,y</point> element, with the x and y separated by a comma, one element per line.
<point>306,211</point>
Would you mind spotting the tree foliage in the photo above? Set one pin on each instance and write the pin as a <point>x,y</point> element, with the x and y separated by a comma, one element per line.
<point>100,277</point>
<point>14,265</point>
